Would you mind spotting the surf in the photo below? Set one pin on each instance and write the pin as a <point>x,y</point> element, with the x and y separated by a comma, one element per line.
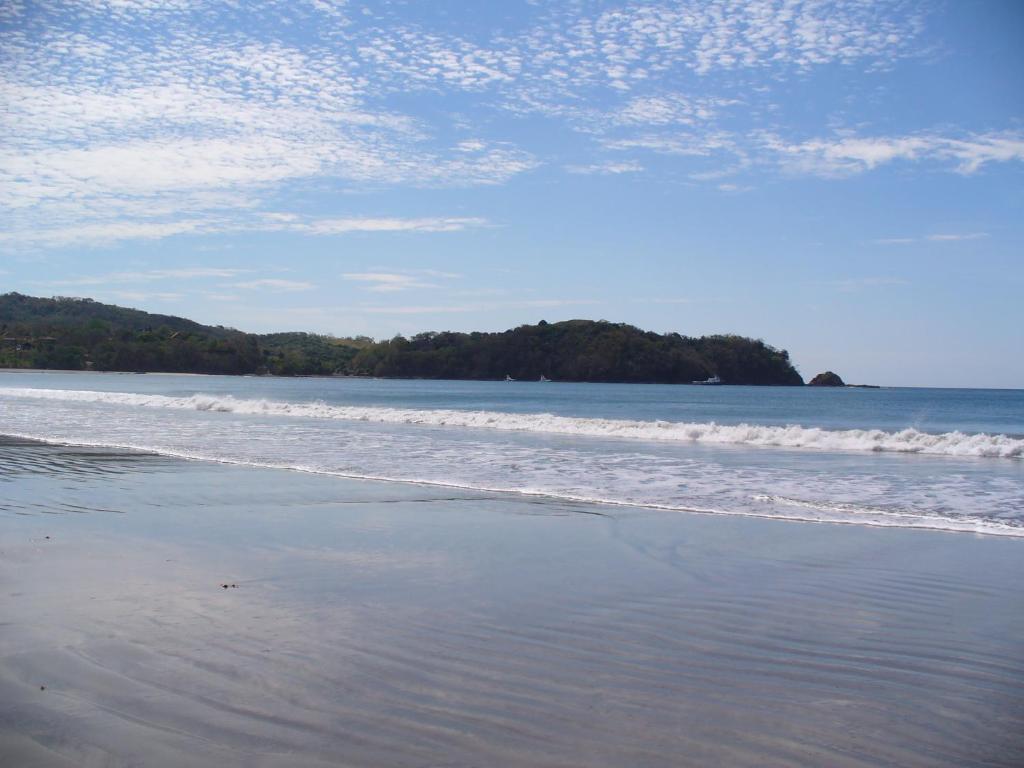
<point>795,436</point>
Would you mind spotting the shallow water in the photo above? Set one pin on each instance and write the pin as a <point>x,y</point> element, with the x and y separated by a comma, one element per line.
<point>379,624</point>
<point>942,459</point>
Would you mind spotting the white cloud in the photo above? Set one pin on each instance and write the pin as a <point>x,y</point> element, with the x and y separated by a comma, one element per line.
<point>949,237</point>
<point>139,296</point>
<point>151,275</point>
<point>391,281</point>
<point>105,233</point>
<point>99,233</point>
<point>850,155</point>
<point>361,224</point>
<point>605,169</point>
<point>472,307</point>
<point>189,272</point>
<point>570,51</point>
<point>436,273</point>
<point>471,145</point>
<point>694,144</point>
<point>668,109</point>
<point>203,119</point>
<point>977,151</point>
<point>181,129</point>
<point>274,284</point>
<point>387,282</point>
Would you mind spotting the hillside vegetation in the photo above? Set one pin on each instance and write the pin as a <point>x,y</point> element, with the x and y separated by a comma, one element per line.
<point>79,334</point>
<point>579,350</point>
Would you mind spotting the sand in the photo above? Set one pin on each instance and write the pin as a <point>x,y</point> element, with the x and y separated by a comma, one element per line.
<point>380,624</point>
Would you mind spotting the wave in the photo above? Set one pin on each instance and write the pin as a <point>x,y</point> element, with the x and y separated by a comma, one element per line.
<point>791,436</point>
<point>834,513</point>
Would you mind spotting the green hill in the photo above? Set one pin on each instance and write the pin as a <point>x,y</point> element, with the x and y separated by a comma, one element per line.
<point>66,313</point>
<point>79,334</point>
<point>75,334</point>
<point>289,354</point>
<point>579,350</point>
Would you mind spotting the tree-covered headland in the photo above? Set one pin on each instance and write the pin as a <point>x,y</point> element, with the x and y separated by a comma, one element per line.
<point>81,334</point>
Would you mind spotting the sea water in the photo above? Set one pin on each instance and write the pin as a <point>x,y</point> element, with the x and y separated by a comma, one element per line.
<point>932,458</point>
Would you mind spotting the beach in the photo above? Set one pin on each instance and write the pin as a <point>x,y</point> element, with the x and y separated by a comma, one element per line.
<point>159,611</point>
<point>619,384</point>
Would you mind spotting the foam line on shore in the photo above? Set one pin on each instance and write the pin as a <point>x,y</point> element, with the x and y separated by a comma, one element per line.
<point>908,440</point>
<point>845,514</point>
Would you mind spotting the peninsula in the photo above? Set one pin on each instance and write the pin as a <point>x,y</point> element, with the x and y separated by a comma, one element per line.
<point>82,334</point>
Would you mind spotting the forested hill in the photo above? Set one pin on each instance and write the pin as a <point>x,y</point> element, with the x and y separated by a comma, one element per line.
<point>579,350</point>
<point>78,334</point>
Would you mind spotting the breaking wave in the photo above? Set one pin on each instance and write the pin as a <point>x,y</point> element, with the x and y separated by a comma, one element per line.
<point>837,513</point>
<point>793,436</point>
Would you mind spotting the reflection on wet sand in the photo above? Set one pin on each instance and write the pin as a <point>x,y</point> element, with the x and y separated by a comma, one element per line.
<point>19,457</point>
<point>377,624</point>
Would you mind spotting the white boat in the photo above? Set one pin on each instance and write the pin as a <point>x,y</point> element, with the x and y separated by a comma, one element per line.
<point>712,380</point>
<point>543,378</point>
<point>508,378</point>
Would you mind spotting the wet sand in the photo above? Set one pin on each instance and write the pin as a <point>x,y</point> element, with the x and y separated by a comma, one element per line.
<point>379,624</point>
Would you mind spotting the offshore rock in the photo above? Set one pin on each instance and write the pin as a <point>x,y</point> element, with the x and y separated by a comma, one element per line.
<point>826,379</point>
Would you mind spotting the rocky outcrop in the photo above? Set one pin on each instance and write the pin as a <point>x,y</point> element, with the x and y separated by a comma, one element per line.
<point>826,379</point>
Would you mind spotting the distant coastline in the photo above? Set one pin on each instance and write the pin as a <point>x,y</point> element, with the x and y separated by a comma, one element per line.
<point>81,334</point>
<point>389,378</point>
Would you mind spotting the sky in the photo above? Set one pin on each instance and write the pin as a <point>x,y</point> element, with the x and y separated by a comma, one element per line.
<point>844,180</point>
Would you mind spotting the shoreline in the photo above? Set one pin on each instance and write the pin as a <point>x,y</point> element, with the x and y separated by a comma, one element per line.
<point>1010,532</point>
<point>371,377</point>
<point>595,383</point>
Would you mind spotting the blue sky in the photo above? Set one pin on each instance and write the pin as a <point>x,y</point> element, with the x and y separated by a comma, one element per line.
<point>841,179</point>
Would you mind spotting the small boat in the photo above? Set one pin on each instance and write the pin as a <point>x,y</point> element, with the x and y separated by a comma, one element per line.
<point>712,380</point>
<point>543,379</point>
<point>508,378</point>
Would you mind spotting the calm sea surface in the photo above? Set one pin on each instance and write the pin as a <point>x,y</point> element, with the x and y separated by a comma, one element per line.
<point>933,458</point>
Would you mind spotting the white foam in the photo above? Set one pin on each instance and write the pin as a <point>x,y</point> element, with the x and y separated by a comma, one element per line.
<point>792,436</point>
<point>831,513</point>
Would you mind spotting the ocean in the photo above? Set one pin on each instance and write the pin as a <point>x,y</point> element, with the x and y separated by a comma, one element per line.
<point>945,459</point>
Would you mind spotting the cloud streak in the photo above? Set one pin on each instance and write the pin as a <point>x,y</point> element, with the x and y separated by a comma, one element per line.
<point>850,155</point>
<point>276,285</point>
<point>110,232</point>
<point>444,309</point>
<point>387,282</point>
<point>151,275</point>
<point>952,237</point>
<point>365,224</point>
